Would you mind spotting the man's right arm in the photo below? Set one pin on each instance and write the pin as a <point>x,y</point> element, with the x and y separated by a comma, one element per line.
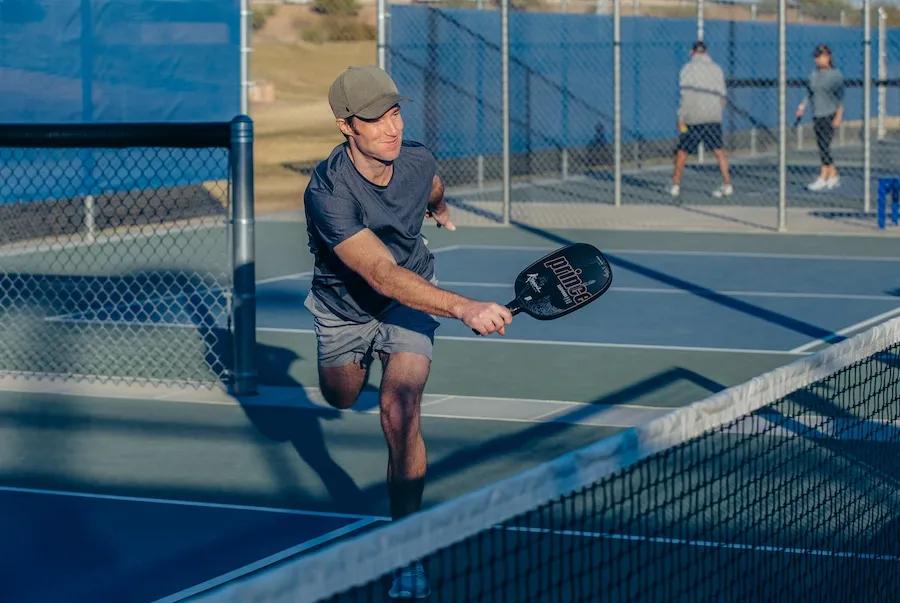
<point>365,254</point>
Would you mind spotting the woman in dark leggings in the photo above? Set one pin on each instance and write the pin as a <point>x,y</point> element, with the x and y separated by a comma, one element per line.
<point>826,93</point>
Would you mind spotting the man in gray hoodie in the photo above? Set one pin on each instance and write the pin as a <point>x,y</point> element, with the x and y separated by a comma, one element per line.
<point>702,86</point>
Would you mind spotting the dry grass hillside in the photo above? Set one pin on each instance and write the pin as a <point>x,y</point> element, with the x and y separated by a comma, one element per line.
<point>297,126</point>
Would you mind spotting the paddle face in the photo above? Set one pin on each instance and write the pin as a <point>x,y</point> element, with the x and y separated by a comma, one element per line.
<point>562,282</point>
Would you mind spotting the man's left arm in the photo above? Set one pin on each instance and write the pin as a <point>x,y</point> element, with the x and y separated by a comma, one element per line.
<point>722,88</point>
<point>437,206</point>
<point>839,96</point>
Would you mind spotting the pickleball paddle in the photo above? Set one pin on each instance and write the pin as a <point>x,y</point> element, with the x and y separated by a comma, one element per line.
<point>561,282</point>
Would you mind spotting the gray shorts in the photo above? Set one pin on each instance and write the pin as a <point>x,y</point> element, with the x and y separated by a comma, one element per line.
<point>398,329</point>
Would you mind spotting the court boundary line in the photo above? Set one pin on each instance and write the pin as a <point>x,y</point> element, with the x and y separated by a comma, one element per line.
<point>747,254</point>
<point>682,291</point>
<point>807,347</point>
<point>266,561</point>
<point>226,292</point>
<point>186,503</point>
<point>78,240</point>
<point>768,548</point>
<point>305,276</point>
<point>583,344</point>
<point>558,412</point>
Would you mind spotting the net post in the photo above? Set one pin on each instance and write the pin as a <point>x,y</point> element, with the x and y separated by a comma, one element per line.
<point>867,106</point>
<point>782,115</point>
<point>504,92</point>
<point>244,376</point>
<point>617,102</point>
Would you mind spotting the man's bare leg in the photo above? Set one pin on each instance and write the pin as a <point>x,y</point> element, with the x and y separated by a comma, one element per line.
<point>680,160</point>
<point>722,158</point>
<point>402,385</point>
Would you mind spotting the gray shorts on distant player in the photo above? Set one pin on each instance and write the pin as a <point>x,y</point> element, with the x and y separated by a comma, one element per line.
<point>397,329</point>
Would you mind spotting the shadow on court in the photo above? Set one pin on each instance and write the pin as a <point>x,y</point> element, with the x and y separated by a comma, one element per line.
<point>301,428</point>
<point>781,320</point>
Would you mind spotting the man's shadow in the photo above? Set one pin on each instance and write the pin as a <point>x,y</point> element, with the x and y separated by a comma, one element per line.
<point>293,418</point>
<point>300,424</point>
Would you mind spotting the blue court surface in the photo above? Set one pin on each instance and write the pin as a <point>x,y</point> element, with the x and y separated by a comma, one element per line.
<point>106,547</point>
<point>110,548</point>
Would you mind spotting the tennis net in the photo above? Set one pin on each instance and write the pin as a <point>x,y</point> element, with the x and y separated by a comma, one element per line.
<point>785,486</point>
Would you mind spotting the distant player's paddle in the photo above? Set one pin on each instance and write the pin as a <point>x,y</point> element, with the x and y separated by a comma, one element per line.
<point>564,281</point>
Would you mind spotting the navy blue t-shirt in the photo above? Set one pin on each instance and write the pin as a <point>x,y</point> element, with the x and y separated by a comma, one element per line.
<point>340,202</point>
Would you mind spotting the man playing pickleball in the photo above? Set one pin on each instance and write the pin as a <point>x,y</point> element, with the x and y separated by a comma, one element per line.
<point>372,291</point>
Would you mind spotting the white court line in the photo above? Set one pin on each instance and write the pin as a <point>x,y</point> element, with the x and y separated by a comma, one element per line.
<point>188,503</point>
<point>275,397</point>
<point>286,277</point>
<point>687,291</point>
<point>103,239</point>
<point>579,344</point>
<point>765,548</point>
<point>739,254</point>
<point>805,348</point>
<point>266,561</point>
<point>309,273</point>
<point>540,419</point>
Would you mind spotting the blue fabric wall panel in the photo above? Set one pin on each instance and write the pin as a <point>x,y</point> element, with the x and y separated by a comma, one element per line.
<point>561,75</point>
<point>120,61</point>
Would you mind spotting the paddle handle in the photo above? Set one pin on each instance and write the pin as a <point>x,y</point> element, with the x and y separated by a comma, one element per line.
<point>513,307</point>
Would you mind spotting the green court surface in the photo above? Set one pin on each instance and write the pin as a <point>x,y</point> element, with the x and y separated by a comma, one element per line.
<point>493,406</point>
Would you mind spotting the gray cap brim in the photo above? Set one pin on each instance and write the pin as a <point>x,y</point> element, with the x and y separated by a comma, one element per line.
<point>380,106</point>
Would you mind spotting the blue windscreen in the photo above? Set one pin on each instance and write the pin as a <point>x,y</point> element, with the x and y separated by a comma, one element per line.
<point>92,61</point>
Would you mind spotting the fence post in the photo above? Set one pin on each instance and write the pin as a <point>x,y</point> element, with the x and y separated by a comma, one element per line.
<point>867,106</point>
<point>701,9</point>
<point>753,132</point>
<point>246,16</point>
<point>244,377</point>
<point>882,71</point>
<point>617,102</point>
<point>504,93</point>
<point>479,168</point>
<point>782,116</point>
<point>381,42</point>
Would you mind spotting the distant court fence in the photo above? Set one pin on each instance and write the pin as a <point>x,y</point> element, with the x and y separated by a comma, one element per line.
<point>536,110</point>
<point>126,253</point>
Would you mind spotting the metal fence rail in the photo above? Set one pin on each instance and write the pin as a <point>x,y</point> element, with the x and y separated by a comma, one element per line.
<point>117,262</point>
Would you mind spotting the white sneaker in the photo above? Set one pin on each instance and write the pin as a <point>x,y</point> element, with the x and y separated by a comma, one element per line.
<point>832,182</point>
<point>675,190</point>
<point>818,185</point>
<point>410,583</point>
<point>726,190</point>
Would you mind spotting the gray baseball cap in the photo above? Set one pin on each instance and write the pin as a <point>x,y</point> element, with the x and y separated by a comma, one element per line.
<point>367,92</point>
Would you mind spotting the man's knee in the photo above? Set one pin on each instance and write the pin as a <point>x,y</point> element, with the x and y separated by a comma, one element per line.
<point>342,400</point>
<point>340,386</point>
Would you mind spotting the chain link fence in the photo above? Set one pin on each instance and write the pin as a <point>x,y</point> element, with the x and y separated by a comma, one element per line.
<point>116,253</point>
<point>567,151</point>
